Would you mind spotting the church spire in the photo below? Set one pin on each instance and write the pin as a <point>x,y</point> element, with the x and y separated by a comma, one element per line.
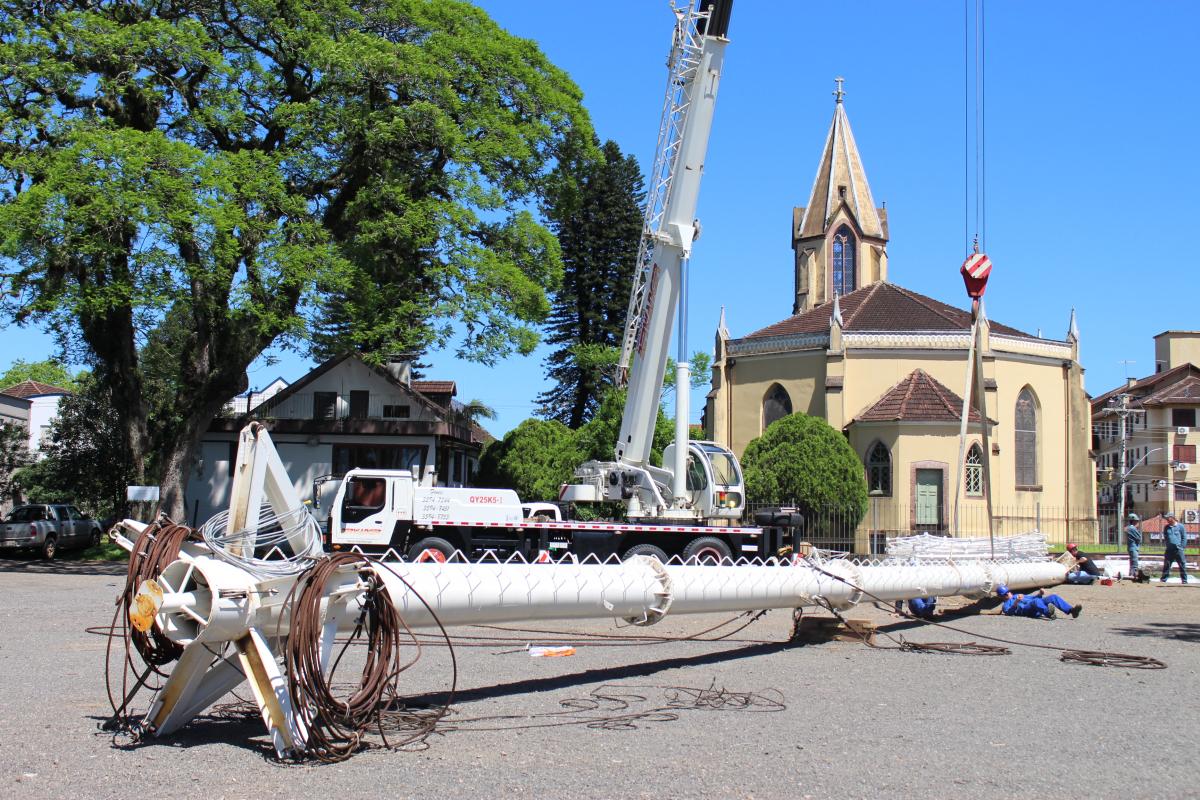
<point>840,178</point>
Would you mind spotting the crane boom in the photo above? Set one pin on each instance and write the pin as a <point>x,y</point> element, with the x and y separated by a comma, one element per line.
<point>669,226</point>
<point>699,481</point>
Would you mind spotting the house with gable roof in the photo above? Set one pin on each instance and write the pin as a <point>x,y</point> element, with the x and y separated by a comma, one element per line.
<point>343,414</point>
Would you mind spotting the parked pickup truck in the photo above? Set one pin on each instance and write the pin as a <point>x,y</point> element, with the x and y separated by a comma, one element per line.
<point>46,528</point>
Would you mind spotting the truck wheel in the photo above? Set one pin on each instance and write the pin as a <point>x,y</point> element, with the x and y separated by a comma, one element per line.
<point>645,550</point>
<point>431,548</point>
<point>49,548</point>
<point>708,550</point>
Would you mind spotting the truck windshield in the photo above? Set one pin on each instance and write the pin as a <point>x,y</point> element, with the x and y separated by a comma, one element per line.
<point>725,469</point>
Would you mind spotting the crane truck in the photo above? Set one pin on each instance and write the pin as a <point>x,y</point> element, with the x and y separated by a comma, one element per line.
<point>689,507</point>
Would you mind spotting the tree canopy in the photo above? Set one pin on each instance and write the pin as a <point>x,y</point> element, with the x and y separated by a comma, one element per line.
<point>204,179</point>
<point>801,459</point>
<point>46,371</point>
<point>596,213</point>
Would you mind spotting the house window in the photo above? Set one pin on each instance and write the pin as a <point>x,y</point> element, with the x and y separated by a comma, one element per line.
<point>1184,452</point>
<point>359,404</point>
<point>844,245</point>
<point>776,405</point>
<point>1183,417</point>
<point>396,412</point>
<point>1186,491</point>
<point>1026,444</point>
<point>974,471</point>
<point>348,456</point>
<point>879,470</point>
<point>325,405</point>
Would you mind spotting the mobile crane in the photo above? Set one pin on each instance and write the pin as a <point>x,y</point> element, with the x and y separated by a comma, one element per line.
<point>690,506</point>
<point>699,482</point>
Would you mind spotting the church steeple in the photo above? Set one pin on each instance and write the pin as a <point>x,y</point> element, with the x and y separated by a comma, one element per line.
<point>840,237</point>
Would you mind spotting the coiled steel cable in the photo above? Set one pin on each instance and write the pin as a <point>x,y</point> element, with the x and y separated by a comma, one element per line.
<point>336,725</point>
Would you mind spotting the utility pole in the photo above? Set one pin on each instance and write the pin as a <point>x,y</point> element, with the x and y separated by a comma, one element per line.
<point>1121,409</point>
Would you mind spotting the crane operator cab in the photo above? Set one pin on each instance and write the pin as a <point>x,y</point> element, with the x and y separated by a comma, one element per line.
<point>714,480</point>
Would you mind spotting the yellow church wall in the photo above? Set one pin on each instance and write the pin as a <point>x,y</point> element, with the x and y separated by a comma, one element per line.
<point>802,375</point>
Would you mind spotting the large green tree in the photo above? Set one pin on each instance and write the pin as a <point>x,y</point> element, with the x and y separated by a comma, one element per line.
<point>801,459</point>
<point>208,178</point>
<point>596,213</point>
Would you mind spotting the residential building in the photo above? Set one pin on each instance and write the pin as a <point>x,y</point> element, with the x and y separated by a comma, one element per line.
<point>250,399</point>
<point>343,414</point>
<point>13,411</point>
<point>43,408</point>
<point>876,361</point>
<point>1160,436</point>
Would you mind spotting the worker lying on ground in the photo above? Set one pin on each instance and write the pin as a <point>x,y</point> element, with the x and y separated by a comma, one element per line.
<point>1036,605</point>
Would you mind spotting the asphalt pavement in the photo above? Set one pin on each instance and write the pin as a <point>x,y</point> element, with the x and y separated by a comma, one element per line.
<point>748,716</point>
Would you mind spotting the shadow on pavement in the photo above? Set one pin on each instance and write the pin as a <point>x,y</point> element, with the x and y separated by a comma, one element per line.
<point>604,675</point>
<point>1184,631</point>
<point>40,566</point>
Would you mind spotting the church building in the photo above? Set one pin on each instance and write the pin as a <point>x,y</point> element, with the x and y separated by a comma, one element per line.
<point>882,363</point>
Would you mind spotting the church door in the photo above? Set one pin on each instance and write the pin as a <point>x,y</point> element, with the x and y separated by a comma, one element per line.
<point>929,498</point>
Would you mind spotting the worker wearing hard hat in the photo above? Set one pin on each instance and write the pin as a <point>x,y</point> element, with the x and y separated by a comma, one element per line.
<point>1133,542</point>
<point>1036,605</point>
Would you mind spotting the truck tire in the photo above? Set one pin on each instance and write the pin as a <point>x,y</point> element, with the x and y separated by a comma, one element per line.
<point>431,548</point>
<point>645,550</point>
<point>708,550</point>
<point>49,548</point>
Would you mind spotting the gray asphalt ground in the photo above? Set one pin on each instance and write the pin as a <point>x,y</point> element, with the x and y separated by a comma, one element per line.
<point>847,721</point>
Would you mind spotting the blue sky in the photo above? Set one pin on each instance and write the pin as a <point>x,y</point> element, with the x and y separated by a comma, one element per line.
<point>1092,113</point>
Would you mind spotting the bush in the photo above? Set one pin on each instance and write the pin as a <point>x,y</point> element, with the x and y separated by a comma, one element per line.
<point>533,459</point>
<point>802,458</point>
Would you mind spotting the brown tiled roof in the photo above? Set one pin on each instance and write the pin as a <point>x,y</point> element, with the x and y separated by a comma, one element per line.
<point>1158,523</point>
<point>435,387</point>
<point>1142,387</point>
<point>918,398</point>
<point>1184,391</point>
<point>34,388</point>
<point>881,307</point>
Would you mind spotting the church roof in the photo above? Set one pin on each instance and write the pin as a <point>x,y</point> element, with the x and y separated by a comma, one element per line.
<point>840,166</point>
<point>881,307</point>
<point>26,389</point>
<point>918,398</point>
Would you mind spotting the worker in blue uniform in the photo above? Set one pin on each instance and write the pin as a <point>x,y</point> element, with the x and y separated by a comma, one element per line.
<point>1176,539</point>
<point>923,607</point>
<point>1037,605</point>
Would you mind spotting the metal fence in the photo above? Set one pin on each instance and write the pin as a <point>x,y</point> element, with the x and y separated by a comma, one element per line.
<point>841,529</point>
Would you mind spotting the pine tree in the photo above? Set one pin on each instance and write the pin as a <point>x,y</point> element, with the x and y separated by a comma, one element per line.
<point>597,215</point>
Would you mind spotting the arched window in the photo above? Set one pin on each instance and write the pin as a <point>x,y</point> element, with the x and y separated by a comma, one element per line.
<point>974,472</point>
<point>1026,448</point>
<point>776,404</point>
<point>844,245</point>
<point>879,470</point>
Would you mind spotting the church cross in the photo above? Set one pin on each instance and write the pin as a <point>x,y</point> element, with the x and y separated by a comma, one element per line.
<point>839,94</point>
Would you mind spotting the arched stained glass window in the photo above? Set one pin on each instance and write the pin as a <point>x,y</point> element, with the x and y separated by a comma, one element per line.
<point>844,274</point>
<point>1026,444</point>
<point>974,472</point>
<point>776,404</point>
<point>879,470</point>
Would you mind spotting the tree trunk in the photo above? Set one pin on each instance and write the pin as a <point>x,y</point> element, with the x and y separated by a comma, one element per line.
<point>178,458</point>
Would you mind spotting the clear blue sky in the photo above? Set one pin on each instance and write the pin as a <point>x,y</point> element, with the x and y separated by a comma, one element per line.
<point>1092,116</point>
